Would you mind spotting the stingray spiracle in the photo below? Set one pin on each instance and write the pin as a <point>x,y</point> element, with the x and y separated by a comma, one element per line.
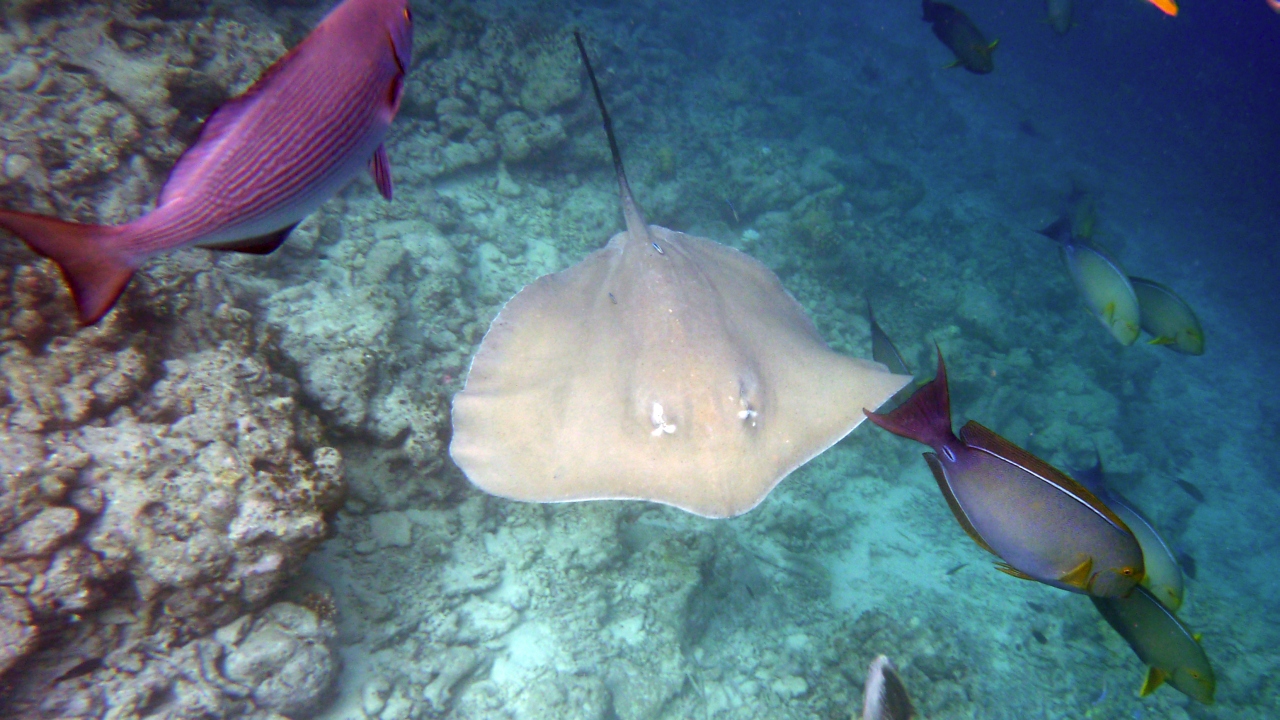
<point>660,424</point>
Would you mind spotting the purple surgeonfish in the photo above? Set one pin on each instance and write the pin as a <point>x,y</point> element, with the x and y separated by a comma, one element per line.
<point>1041,523</point>
<point>263,162</point>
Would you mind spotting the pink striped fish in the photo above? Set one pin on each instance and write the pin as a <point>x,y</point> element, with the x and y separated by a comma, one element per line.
<point>264,160</point>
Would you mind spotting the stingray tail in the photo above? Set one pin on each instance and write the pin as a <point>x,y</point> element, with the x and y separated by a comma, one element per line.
<point>926,416</point>
<point>89,256</point>
<point>630,209</point>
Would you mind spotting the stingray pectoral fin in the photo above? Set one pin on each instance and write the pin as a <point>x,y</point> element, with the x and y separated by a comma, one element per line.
<point>1079,576</point>
<point>1155,678</point>
<point>944,485</point>
<point>1012,571</point>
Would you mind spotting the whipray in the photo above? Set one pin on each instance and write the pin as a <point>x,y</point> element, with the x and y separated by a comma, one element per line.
<point>662,367</point>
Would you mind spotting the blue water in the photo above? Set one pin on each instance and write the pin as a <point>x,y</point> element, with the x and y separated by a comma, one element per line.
<point>829,141</point>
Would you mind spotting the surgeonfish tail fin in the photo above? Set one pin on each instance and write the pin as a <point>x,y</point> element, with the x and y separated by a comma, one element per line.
<point>885,697</point>
<point>94,270</point>
<point>926,416</point>
<point>1059,229</point>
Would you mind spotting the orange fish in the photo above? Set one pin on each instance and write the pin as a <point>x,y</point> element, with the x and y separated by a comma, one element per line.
<point>1169,7</point>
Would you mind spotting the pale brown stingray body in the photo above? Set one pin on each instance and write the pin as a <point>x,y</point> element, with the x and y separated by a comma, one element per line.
<point>662,367</point>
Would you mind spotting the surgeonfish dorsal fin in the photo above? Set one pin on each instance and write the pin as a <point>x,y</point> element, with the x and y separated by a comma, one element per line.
<point>636,225</point>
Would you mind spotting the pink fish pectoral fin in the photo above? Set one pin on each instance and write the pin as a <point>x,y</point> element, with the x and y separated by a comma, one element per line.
<point>261,245</point>
<point>380,169</point>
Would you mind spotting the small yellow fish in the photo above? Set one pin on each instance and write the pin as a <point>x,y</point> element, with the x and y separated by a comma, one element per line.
<point>1101,281</point>
<point>1170,650</point>
<point>1168,318</point>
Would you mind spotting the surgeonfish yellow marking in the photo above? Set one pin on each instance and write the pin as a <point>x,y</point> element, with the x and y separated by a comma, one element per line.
<point>1169,7</point>
<point>1081,576</point>
<point>1041,523</point>
<point>1154,679</point>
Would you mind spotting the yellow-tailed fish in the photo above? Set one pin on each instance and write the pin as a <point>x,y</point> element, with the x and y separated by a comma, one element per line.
<point>1101,281</point>
<point>958,32</point>
<point>1159,639</point>
<point>1168,318</point>
<point>1041,523</point>
<point>1163,574</point>
<point>1059,12</point>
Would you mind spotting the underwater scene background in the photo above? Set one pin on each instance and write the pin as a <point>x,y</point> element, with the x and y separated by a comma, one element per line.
<point>233,496</point>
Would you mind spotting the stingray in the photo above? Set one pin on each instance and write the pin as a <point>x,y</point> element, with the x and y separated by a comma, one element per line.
<point>662,367</point>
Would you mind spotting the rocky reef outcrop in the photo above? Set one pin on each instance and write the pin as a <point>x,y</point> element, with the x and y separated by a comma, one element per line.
<point>160,480</point>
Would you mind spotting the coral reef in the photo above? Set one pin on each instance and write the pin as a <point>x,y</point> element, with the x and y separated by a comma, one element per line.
<point>159,479</point>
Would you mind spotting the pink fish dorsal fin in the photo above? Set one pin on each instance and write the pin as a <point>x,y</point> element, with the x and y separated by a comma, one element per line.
<point>220,124</point>
<point>985,439</point>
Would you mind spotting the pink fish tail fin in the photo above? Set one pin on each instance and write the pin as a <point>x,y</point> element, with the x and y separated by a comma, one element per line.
<point>926,416</point>
<point>94,270</point>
